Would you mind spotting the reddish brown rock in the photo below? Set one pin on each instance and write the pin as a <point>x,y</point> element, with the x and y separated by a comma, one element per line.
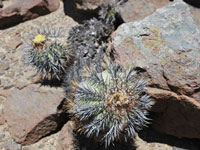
<point>133,10</point>
<point>136,9</point>
<point>18,11</point>
<point>177,114</point>
<point>33,112</point>
<point>165,48</point>
<point>66,139</point>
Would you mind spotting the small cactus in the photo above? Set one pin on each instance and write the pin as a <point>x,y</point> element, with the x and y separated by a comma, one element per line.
<point>89,38</point>
<point>49,53</point>
<point>89,41</point>
<point>111,105</point>
<point>108,13</point>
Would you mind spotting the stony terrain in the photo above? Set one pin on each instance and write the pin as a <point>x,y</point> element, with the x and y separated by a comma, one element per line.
<point>31,117</point>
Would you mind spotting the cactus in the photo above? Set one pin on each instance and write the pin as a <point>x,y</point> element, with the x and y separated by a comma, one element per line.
<point>89,41</point>
<point>89,38</point>
<point>108,13</point>
<point>110,105</point>
<point>49,53</point>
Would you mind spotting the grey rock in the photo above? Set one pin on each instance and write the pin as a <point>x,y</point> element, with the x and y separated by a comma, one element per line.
<point>10,145</point>
<point>165,47</point>
<point>8,85</point>
<point>3,57</point>
<point>4,66</point>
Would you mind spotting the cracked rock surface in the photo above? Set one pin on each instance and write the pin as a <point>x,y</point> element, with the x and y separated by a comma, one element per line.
<point>165,48</point>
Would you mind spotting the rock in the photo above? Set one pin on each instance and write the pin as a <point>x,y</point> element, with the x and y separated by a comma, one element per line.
<point>193,4</point>
<point>130,11</point>
<point>179,115</point>
<point>165,48</point>
<point>4,66</point>
<point>33,112</point>
<point>2,120</point>
<point>87,5</point>
<point>46,143</point>
<point>15,44</point>
<point>66,138</point>
<point>1,4</point>
<point>79,11</point>
<point>21,10</point>
<point>10,145</point>
<point>195,12</point>
<point>143,145</point>
<point>135,9</point>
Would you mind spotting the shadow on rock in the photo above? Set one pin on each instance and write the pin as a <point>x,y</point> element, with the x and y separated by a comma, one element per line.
<point>77,15</point>
<point>51,83</point>
<point>89,144</point>
<point>20,11</point>
<point>152,136</point>
<point>194,3</point>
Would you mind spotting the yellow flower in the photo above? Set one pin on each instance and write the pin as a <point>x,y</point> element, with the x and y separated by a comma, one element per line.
<point>39,38</point>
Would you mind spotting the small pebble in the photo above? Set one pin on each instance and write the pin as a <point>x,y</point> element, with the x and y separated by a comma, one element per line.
<point>51,141</point>
<point>3,57</point>
<point>5,66</point>
<point>41,146</point>
<point>2,136</point>
<point>9,85</point>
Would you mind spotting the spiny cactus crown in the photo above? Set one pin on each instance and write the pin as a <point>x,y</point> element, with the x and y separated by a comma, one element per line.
<point>111,105</point>
<point>48,52</point>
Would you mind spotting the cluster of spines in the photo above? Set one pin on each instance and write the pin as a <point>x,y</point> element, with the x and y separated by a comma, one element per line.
<point>110,105</point>
<point>48,51</point>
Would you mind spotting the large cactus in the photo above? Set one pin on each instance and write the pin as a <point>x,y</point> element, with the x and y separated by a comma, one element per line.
<point>111,105</point>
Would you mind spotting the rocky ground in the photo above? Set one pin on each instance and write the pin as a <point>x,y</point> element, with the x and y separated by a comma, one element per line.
<point>30,113</point>
<point>14,73</point>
